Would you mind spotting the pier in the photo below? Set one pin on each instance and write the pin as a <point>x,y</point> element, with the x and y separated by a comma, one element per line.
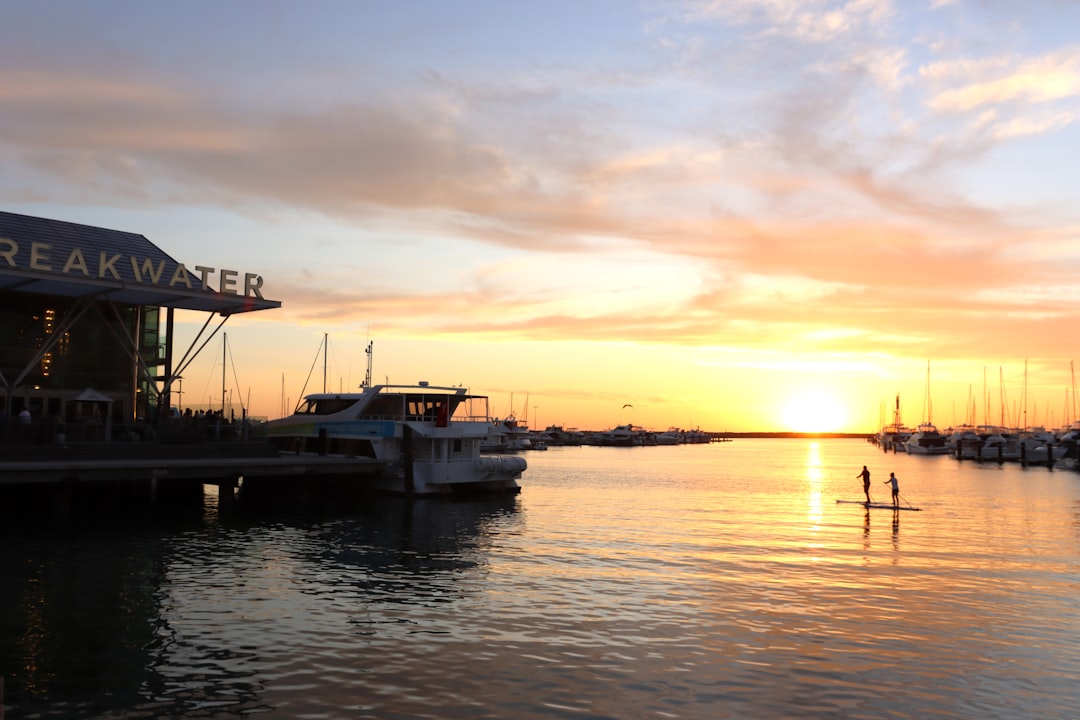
<point>53,479</point>
<point>148,461</point>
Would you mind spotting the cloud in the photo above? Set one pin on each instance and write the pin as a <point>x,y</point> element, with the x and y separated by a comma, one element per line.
<point>809,20</point>
<point>973,84</point>
<point>784,179</point>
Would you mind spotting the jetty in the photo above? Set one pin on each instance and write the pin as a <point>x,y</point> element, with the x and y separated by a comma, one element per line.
<point>54,479</point>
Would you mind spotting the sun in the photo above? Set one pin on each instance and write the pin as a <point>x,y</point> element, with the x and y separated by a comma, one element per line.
<point>813,411</point>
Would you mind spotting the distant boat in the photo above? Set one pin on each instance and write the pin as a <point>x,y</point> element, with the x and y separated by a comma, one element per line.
<point>894,437</point>
<point>506,435</point>
<point>697,436</point>
<point>1039,445</point>
<point>927,439</point>
<point>624,436</point>
<point>1000,446</point>
<point>556,435</point>
<point>671,436</point>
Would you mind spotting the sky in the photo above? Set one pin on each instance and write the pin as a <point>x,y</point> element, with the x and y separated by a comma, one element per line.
<point>736,215</point>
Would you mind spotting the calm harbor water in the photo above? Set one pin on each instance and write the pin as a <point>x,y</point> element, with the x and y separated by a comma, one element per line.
<point>709,581</point>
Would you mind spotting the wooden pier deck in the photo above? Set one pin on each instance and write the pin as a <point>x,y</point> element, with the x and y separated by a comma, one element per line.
<point>212,463</point>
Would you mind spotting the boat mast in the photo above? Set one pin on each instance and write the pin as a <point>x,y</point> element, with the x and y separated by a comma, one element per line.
<point>324,348</point>
<point>1001,393</point>
<point>986,401</point>
<point>929,408</point>
<point>1024,398</point>
<point>1072,371</point>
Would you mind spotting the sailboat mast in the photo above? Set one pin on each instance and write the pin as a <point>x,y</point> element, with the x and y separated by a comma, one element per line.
<point>1024,399</point>
<point>1072,371</point>
<point>986,400</point>
<point>929,407</point>
<point>1001,395</point>
<point>324,348</point>
<point>224,353</point>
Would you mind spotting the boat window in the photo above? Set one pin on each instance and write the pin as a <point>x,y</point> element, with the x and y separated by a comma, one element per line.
<point>323,406</point>
<point>421,406</point>
<point>384,406</point>
<point>306,408</point>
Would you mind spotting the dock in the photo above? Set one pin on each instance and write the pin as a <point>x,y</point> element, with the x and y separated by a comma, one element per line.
<point>205,463</point>
<point>41,477</point>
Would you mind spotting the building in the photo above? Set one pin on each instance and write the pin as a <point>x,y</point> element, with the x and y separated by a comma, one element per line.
<point>86,323</point>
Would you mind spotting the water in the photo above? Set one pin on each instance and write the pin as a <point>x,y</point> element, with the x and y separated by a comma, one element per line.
<point>714,581</point>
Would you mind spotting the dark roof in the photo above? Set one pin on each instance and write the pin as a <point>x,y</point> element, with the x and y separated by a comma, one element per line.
<point>86,245</point>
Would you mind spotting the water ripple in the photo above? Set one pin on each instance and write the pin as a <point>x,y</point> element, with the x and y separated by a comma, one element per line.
<point>687,582</point>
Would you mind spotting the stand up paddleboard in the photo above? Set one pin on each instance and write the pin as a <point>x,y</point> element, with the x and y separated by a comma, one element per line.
<point>879,506</point>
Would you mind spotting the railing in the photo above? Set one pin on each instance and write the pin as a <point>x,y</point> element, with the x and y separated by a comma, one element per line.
<point>173,430</point>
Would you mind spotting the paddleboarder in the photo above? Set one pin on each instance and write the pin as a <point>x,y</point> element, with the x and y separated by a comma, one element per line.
<point>895,489</point>
<point>865,475</point>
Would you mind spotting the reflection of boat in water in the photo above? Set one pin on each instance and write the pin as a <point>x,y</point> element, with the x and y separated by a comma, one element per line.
<point>428,436</point>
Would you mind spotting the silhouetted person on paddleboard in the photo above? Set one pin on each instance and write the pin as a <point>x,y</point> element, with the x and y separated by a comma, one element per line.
<point>865,475</point>
<point>895,489</point>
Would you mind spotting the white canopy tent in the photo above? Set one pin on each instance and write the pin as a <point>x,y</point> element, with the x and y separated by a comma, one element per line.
<point>93,397</point>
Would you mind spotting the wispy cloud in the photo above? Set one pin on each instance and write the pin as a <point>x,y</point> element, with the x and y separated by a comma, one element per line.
<point>750,173</point>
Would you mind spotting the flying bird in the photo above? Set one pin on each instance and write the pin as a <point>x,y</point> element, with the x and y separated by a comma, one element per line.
<point>628,405</point>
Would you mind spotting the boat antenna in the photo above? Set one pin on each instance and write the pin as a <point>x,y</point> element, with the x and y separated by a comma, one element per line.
<point>369,350</point>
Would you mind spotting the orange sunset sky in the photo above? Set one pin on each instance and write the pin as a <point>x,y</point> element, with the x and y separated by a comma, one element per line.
<point>743,215</point>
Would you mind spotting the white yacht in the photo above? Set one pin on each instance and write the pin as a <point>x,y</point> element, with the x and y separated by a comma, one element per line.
<point>506,435</point>
<point>1039,446</point>
<point>1000,445</point>
<point>927,440</point>
<point>894,437</point>
<point>429,437</point>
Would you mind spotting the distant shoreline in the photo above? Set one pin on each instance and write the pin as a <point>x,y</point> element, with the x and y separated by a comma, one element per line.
<point>797,435</point>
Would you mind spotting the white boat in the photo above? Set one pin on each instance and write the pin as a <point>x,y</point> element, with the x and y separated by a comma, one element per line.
<point>429,437</point>
<point>1038,445</point>
<point>894,437</point>
<point>697,436</point>
<point>671,436</point>
<point>1000,446</point>
<point>557,435</point>
<point>506,435</point>
<point>964,442</point>
<point>927,440</point>
<point>624,436</point>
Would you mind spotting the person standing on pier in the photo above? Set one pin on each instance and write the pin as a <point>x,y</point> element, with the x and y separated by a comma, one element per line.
<point>865,475</point>
<point>895,489</point>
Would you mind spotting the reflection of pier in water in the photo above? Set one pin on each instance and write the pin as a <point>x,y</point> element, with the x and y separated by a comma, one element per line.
<point>189,610</point>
